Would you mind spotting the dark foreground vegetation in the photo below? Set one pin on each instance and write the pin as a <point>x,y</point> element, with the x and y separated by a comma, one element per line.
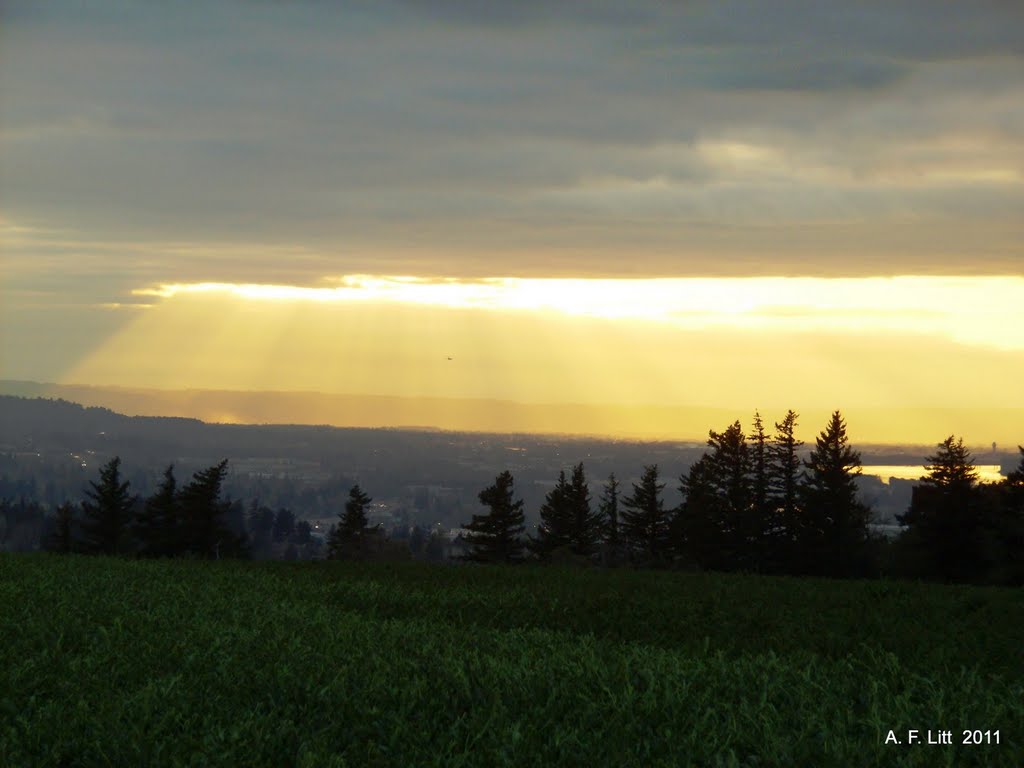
<point>110,661</point>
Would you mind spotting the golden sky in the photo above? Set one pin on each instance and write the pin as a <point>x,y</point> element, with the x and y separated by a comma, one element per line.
<point>741,204</point>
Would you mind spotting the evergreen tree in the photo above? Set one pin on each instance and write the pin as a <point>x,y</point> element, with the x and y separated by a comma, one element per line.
<point>203,516</point>
<point>1010,566</point>
<point>695,531</point>
<point>609,509</point>
<point>946,522</point>
<point>951,469</point>
<point>495,537</point>
<point>645,523</point>
<point>157,521</point>
<point>587,523</point>
<point>834,542</point>
<point>349,536</point>
<point>729,475</point>
<point>758,443</point>
<point>784,470</point>
<point>556,520</point>
<point>107,512</point>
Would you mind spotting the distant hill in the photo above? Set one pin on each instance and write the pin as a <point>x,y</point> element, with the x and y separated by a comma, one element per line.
<point>653,422</point>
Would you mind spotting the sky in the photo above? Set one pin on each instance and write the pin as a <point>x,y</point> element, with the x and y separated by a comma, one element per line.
<point>758,204</point>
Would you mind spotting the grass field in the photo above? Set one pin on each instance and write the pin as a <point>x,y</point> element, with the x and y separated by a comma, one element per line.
<point>131,663</point>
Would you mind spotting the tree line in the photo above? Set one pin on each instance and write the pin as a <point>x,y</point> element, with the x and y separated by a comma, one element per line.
<point>749,503</point>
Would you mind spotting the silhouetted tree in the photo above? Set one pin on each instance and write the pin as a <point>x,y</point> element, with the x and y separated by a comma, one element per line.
<point>1010,566</point>
<point>156,524</point>
<point>586,522</point>
<point>203,516</point>
<point>834,542</point>
<point>946,523</point>
<point>784,470</point>
<point>695,531</point>
<point>106,514</point>
<point>729,475</point>
<point>567,521</point>
<point>556,519</point>
<point>347,539</point>
<point>495,536</point>
<point>645,522</point>
<point>609,508</point>
<point>758,443</point>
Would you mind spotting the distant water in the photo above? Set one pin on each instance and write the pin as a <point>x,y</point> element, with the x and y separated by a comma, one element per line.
<point>987,473</point>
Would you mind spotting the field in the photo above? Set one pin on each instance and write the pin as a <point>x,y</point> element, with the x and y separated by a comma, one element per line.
<point>132,663</point>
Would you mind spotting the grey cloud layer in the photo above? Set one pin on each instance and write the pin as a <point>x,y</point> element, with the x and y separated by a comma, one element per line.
<point>517,138</point>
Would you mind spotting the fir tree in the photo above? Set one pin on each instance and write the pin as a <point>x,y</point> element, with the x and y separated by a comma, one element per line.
<point>645,523</point>
<point>107,511</point>
<point>203,516</point>
<point>156,524</point>
<point>556,520</point>
<point>951,469</point>
<point>695,531</point>
<point>586,523</point>
<point>495,536</point>
<point>1010,566</point>
<point>609,508</point>
<point>349,536</point>
<point>729,475</point>
<point>946,520</point>
<point>834,541</point>
<point>758,447</point>
<point>784,470</point>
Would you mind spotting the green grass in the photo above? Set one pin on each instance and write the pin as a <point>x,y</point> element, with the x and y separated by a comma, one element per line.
<point>124,663</point>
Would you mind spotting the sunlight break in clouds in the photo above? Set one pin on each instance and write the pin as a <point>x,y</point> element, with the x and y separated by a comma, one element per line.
<point>982,311</point>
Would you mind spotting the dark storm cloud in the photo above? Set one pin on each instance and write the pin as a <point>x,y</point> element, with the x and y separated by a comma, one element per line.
<point>289,141</point>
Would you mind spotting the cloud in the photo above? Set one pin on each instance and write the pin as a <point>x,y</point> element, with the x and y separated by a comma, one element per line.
<point>251,142</point>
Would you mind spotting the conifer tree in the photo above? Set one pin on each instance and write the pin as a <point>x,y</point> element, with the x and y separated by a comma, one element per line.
<point>586,523</point>
<point>645,523</point>
<point>203,516</point>
<point>834,542</point>
<point>784,470</point>
<point>347,539</point>
<point>556,520</point>
<point>946,522</point>
<point>609,507</point>
<point>951,468</point>
<point>729,475</point>
<point>156,524</point>
<point>1010,567</point>
<point>495,536</point>
<point>758,442</point>
<point>106,514</point>
<point>695,531</point>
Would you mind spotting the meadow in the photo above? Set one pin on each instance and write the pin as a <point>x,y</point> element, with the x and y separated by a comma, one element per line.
<point>107,662</point>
